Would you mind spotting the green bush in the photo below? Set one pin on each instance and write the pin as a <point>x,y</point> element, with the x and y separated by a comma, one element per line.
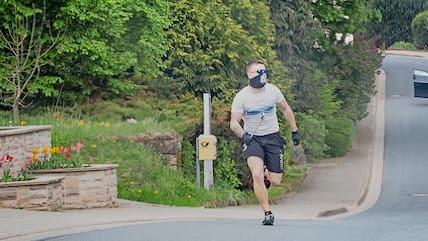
<point>339,136</point>
<point>187,163</point>
<point>420,30</point>
<point>226,174</point>
<point>403,45</point>
<point>313,134</point>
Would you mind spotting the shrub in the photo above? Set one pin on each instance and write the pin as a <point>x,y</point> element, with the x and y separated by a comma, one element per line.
<point>313,134</point>
<point>403,45</point>
<point>187,162</point>
<point>225,171</point>
<point>339,136</point>
<point>420,30</point>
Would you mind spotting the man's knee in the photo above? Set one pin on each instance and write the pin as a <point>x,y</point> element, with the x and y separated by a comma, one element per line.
<point>275,179</point>
<point>275,182</point>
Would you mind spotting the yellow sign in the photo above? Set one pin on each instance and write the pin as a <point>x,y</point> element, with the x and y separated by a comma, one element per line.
<point>207,147</point>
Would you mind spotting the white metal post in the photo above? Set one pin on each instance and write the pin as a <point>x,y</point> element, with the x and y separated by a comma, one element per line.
<point>198,165</point>
<point>208,164</point>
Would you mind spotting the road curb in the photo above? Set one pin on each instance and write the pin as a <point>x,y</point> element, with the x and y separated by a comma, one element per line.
<point>373,181</point>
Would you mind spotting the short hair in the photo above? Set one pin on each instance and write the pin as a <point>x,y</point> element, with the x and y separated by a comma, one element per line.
<point>253,62</point>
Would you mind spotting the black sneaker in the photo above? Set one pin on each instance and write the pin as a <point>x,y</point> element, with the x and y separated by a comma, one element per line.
<point>268,220</point>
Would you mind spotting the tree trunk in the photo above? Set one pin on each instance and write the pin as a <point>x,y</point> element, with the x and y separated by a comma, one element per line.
<point>15,108</point>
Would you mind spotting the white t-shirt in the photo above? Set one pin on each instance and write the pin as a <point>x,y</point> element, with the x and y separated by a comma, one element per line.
<point>259,109</point>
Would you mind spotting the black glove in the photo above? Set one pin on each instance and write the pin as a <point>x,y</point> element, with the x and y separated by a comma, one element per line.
<point>295,136</point>
<point>246,138</point>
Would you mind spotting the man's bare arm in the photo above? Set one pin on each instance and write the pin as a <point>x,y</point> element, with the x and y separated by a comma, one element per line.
<point>235,118</point>
<point>288,114</point>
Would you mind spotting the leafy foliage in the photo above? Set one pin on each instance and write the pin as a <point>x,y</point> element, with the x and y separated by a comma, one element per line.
<point>26,40</point>
<point>212,41</point>
<point>344,16</point>
<point>353,66</point>
<point>313,132</point>
<point>109,40</point>
<point>225,167</point>
<point>340,134</point>
<point>403,45</point>
<point>420,30</point>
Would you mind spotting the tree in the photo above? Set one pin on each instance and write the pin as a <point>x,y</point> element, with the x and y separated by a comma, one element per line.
<point>354,66</point>
<point>108,42</point>
<point>26,39</point>
<point>396,20</point>
<point>420,30</point>
<point>297,32</point>
<point>344,16</point>
<point>211,41</point>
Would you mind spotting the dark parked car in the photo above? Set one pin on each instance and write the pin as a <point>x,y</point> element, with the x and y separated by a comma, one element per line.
<point>420,83</point>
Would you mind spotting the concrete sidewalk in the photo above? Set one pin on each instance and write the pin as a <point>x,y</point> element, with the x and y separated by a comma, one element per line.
<point>333,188</point>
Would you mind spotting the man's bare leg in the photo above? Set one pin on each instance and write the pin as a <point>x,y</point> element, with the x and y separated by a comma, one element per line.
<point>257,171</point>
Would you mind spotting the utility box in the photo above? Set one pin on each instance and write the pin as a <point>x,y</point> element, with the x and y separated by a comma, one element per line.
<point>207,147</point>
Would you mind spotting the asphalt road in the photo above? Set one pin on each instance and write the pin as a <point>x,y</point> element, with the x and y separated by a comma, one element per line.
<point>401,214</point>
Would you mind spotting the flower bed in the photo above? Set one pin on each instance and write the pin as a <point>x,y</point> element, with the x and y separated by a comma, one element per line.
<point>44,193</point>
<point>80,186</point>
<point>93,186</point>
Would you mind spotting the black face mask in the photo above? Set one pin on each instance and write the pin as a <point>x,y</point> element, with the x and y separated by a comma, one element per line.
<point>260,80</point>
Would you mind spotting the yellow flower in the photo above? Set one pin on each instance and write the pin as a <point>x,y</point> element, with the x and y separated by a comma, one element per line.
<point>94,146</point>
<point>54,150</point>
<point>81,122</point>
<point>45,149</point>
<point>139,190</point>
<point>35,151</point>
<point>107,124</point>
<point>131,183</point>
<point>23,123</point>
<point>34,158</point>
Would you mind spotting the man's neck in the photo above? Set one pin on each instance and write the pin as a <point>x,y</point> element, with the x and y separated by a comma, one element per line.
<point>256,90</point>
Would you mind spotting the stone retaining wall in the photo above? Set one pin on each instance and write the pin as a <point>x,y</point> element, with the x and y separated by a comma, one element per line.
<point>168,144</point>
<point>44,193</point>
<point>20,141</point>
<point>87,187</point>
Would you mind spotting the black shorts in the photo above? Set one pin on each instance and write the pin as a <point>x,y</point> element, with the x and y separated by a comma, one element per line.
<point>270,148</point>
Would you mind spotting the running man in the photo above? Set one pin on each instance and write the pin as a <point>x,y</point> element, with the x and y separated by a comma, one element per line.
<point>263,145</point>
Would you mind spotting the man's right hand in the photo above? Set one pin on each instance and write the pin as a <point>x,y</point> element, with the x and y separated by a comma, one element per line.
<point>246,138</point>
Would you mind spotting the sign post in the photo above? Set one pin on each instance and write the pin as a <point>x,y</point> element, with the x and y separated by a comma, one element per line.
<point>208,164</point>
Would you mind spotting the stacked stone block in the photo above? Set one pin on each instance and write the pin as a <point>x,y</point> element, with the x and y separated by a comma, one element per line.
<point>168,144</point>
<point>89,187</point>
<point>20,141</point>
<point>45,193</point>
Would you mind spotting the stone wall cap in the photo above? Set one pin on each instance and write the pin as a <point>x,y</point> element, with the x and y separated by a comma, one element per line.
<point>43,180</point>
<point>17,130</point>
